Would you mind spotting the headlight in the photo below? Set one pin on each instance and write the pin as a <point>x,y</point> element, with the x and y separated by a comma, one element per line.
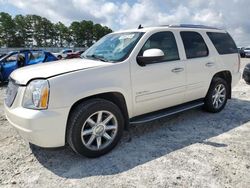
<point>36,95</point>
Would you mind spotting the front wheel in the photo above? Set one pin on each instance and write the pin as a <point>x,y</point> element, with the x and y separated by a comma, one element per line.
<point>95,127</point>
<point>217,95</point>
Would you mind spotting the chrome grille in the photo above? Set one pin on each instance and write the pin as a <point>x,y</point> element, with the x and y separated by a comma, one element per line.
<point>11,93</point>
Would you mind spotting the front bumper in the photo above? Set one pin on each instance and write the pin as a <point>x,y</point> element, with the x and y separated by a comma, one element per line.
<point>45,128</point>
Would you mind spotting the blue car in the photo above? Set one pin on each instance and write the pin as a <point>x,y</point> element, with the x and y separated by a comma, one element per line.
<point>17,59</point>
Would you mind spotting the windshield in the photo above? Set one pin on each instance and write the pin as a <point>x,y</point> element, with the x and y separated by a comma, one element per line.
<point>113,47</point>
<point>247,49</point>
<point>7,55</point>
<point>2,58</point>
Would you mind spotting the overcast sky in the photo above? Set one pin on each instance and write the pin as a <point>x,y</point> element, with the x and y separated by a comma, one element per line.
<point>232,15</point>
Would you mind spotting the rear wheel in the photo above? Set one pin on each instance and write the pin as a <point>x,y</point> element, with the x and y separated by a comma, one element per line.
<point>95,127</point>
<point>217,95</point>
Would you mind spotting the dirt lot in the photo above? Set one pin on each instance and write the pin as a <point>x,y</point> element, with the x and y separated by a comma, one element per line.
<point>191,149</point>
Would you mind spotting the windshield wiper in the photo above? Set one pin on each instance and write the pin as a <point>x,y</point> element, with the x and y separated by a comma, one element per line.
<point>100,58</point>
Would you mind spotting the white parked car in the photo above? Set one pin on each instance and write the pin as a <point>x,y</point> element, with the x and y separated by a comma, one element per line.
<point>63,54</point>
<point>247,52</point>
<point>127,77</point>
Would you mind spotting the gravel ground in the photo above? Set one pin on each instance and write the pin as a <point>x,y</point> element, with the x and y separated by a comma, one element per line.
<point>191,149</point>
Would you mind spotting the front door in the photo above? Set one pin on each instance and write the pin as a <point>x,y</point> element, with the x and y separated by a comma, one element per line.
<point>161,84</point>
<point>9,64</point>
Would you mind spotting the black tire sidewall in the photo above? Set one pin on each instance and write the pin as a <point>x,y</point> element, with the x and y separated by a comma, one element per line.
<point>85,111</point>
<point>209,101</point>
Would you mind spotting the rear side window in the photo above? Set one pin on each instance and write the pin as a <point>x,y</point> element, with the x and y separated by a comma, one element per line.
<point>223,43</point>
<point>164,41</point>
<point>194,44</point>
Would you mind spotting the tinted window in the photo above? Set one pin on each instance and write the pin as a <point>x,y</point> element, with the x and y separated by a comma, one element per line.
<point>164,41</point>
<point>223,42</point>
<point>194,44</point>
<point>67,51</point>
<point>36,55</point>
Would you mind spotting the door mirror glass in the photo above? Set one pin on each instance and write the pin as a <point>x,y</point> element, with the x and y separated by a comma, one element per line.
<point>151,56</point>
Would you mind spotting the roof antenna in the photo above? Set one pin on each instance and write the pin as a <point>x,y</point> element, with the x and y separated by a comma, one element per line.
<point>140,27</point>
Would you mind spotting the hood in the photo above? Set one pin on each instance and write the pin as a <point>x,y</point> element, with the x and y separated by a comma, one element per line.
<point>45,70</point>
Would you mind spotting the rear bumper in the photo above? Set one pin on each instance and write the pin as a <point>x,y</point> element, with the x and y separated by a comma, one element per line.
<point>43,128</point>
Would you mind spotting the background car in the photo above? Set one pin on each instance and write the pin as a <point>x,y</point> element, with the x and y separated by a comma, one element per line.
<point>247,52</point>
<point>17,59</point>
<point>241,52</point>
<point>63,54</point>
<point>1,55</point>
<point>246,74</point>
<point>76,54</point>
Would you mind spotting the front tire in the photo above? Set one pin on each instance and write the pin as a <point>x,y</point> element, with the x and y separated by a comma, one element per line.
<point>94,127</point>
<point>217,95</point>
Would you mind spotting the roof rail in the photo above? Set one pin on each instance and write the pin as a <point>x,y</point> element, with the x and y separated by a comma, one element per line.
<point>191,26</point>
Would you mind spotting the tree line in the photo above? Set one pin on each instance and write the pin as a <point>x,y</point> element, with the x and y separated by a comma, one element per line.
<point>37,31</point>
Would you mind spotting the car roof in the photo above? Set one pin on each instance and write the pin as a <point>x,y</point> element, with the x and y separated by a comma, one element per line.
<point>22,51</point>
<point>174,27</point>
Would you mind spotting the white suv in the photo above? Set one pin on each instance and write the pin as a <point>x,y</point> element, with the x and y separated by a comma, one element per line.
<point>127,77</point>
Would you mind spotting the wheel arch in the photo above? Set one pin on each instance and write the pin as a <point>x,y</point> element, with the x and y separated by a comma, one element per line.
<point>115,97</point>
<point>227,76</point>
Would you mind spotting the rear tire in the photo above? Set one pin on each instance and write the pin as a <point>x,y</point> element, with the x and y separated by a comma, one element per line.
<point>217,95</point>
<point>94,127</point>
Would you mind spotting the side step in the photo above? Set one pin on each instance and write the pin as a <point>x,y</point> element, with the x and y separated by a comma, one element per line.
<point>166,112</point>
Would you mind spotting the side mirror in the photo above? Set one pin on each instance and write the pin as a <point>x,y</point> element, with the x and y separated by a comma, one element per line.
<point>150,56</point>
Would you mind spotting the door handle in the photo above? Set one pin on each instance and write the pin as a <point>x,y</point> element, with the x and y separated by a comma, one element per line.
<point>209,64</point>
<point>177,70</point>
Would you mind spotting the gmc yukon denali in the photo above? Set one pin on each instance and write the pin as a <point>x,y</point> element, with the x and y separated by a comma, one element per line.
<point>127,77</point>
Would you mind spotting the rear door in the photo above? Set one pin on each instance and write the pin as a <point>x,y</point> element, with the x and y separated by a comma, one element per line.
<point>200,64</point>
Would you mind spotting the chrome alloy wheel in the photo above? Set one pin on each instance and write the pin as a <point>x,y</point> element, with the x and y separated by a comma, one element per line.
<point>219,96</point>
<point>99,130</point>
